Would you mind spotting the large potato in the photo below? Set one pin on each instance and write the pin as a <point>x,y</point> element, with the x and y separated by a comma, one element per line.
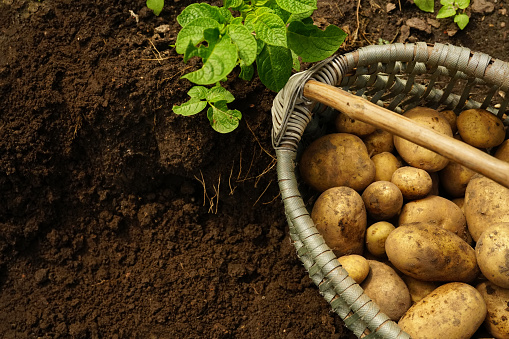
<point>451,118</point>
<point>384,286</point>
<point>376,235</point>
<point>419,289</point>
<point>357,266</point>
<point>437,211</point>
<point>345,124</point>
<point>378,142</point>
<point>492,251</point>
<point>338,159</point>
<point>385,165</point>
<point>340,216</point>
<point>480,128</point>
<point>454,179</point>
<point>453,311</point>
<point>383,200</point>
<point>502,152</point>
<point>497,301</point>
<point>414,183</point>
<point>486,203</point>
<point>418,156</point>
<point>431,253</point>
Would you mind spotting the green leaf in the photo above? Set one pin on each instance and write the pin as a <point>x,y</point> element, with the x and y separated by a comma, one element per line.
<point>246,72</point>
<point>295,61</point>
<point>236,21</point>
<point>155,5</point>
<point>220,62</point>
<point>197,11</point>
<point>425,5</point>
<point>313,44</point>
<point>232,3</point>
<point>226,14</point>
<point>263,10</point>
<point>218,93</point>
<point>271,29</point>
<point>447,2</point>
<point>284,15</point>
<point>222,119</point>
<point>191,107</point>
<point>274,66</point>
<point>245,41</point>
<point>445,12</point>
<point>194,32</point>
<point>297,6</point>
<point>461,20</point>
<point>259,2</point>
<point>198,92</point>
<point>462,4</point>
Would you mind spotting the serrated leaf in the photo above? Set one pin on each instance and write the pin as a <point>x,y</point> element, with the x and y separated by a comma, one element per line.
<point>218,93</point>
<point>274,65</point>
<point>246,72</point>
<point>245,41</point>
<point>271,29</point>
<point>461,20</point>
<point>232,3</point>
<point>198,92</point>
<point>222,119</point>
<point>462,4</point>
<point>445,12</point>
<point>425,5</point>
<point>220,62</point>
<point>311,43</point>
<point>197,11</point>
<point>297,6</point>
<point>155,5</point>
<point>193,33</point>
<point>190,107</point>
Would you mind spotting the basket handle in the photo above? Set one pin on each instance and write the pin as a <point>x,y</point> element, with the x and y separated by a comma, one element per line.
<point>361,109</point>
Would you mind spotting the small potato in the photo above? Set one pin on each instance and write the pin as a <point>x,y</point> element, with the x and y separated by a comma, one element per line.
<point>480,128</point>
<point>340,216</point>
<point>356,266</point>
<point>345,124</point>
<point>383,200</point>
<point>453,311</point>
<point>496,299</point>
<point>492,252</point>
<point>378,142</point>
<point>385,165</point>
<point>451,119</point>
<point>431,253</point>
<point>376,235</point>
<point>414,183</point>
<point>454,178</point>
<point>419,289</point>
<point>486,203</point>
<point>418,156</point>
<point>338,159</point>
<point>384,286</point>
<point>502,152</point>
<point>460,202</point>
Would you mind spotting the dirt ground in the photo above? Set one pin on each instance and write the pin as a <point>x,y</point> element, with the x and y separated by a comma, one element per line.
<point>119,219</point>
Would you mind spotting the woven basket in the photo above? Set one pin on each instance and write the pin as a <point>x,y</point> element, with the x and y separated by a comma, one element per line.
<point>398,77</point>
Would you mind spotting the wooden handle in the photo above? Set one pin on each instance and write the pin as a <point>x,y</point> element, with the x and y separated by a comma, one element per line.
<point>365,111</point>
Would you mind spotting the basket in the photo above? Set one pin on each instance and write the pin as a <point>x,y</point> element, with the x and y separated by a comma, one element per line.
<point>397,77</point>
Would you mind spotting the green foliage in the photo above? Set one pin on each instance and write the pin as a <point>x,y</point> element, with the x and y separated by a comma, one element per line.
<point>267,38</point>
<point>155,5</point>
<point>450,8</point>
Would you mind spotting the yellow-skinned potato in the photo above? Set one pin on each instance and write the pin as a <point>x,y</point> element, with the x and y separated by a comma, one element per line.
<point>356,266</point>
<point>460,202</point>
<point>418,156</point>
<point>502,152</point>
<point>383,200</point>
<point>453,311</point>
<point>454,178</point>
<point>451,119</point>
<point>431,253</point>
<point>418,288</point>
<point>414,183</point>
<point>378,142</point>
<point>376,235</point>
<point>492,251</point>
<point>385,287</point>
<point>437,211</point>
<point>486,203</point>
<point>345,124</point>
<point>385,165</point>
<point>340,216</point>
<point>338,159</point>
<point>480,128</point>
<point>496,299</point>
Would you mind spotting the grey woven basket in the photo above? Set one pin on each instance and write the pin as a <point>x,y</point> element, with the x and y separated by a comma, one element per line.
<point>399,77</point>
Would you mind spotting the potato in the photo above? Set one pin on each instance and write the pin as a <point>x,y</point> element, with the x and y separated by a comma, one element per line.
<point>383,200</point>
<point>459,202</point>
<point>376,235</point>
<point>385,165</point>
<point>431,253</point>
<point>454,178</point>
<point>435,183</point>
<point>480,128</point>
<point>453,311</point>
<point>492,252</point>
<point>418,156</point>
<point>496,299</point>
<point>340,216</point>
<point>451,119</point>
<point>502,152</point>
<point>338,159</point>
<point>384,286</point>
<point>419,289</point>
<point>378,142</point>
<point>356,266</point>
<point>486,203</point>
<point>436,211</point>
<point>414,183</point>
<point>345,124</point>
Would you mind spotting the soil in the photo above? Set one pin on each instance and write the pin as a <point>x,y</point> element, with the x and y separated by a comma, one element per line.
<point>119,219</point>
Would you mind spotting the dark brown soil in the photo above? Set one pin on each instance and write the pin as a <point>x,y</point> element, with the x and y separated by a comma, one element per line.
<point>105,228</point>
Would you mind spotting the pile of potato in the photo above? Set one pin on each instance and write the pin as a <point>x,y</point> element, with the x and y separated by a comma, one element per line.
<point>426,238</point>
